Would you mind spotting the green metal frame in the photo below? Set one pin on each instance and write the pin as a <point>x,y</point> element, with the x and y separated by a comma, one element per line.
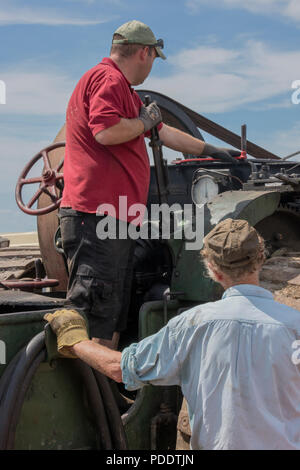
<point>189,274</point>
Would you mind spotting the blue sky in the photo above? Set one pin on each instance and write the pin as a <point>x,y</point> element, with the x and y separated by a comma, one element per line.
<point>232,60</point>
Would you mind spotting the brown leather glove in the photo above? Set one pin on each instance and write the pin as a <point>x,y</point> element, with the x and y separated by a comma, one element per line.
<point>69,327</point>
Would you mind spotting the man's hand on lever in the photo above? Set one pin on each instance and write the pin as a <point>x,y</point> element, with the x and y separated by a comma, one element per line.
<point>225,154</point>
<point>150,115</point>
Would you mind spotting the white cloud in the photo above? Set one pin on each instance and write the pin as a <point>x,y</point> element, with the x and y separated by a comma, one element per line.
<point>216,79</point>
<point>90,2</point>
<point>250,5</point>
<point>207,78</point>
<point>287,8</point>
<point>210,79</point>
<point>293,10</point>
<point>203,56</point>
<point>285,103</point>
<point>16,15</point>
<point>36,92</point>
<point>284,142</point>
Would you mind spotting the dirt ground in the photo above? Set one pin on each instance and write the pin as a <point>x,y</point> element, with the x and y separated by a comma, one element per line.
<point>281,275</point>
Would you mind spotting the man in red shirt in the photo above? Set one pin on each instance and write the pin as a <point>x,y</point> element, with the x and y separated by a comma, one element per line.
<point>106,158</point>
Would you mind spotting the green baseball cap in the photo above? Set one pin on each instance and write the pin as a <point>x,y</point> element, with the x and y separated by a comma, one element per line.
<point>233,243</point>
<point>136,32</point>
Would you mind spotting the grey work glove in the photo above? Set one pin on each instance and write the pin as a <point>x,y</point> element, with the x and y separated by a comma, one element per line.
<point>221,153</point>
<point>150,116</point>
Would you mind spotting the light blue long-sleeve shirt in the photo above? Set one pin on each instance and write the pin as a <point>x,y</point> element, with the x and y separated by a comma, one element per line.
<point>233,361</point>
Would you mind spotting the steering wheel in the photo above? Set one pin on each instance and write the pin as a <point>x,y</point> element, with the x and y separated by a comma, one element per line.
<point>49,182</point>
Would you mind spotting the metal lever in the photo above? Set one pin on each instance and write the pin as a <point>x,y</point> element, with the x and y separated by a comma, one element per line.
<point>160,168</point>
<point>244,141</point>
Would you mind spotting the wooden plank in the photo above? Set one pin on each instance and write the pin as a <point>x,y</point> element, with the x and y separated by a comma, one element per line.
<point>19,274</point>
<point>22,238</point>
<point>20,254</point>
<point>20,248</point>
<point>17,264</point>
<point>4,242</point>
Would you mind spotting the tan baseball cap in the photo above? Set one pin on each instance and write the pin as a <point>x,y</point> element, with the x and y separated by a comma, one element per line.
<point>136,32</point>
<point>233,243</point>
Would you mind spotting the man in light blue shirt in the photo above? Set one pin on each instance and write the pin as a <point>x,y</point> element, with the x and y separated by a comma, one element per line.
<point>234,359</point>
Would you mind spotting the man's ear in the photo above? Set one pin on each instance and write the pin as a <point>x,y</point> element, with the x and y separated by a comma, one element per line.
<point>217,274</point>
<point>143,52</point>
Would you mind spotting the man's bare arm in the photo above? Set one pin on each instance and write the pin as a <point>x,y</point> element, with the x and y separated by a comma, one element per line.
<point>185,143</point>
<point>181,141</point>
<point>73,341</point>
<point>101,358</point>
<point>129,129</point>
<point>124,131</point>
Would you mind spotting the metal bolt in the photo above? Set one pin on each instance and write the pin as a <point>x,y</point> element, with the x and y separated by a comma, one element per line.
<point>53,364</point>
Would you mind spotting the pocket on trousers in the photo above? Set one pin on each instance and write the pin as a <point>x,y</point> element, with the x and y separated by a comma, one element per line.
<point>70,228</point>
<point>102,299</point>
<point>103,288</point>
<point>94,295</point>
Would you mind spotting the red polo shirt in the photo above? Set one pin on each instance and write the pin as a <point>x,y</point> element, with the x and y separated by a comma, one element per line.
<point>96,174</point>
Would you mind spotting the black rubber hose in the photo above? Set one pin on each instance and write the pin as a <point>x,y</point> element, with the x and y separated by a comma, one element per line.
<point>7,374</point>
<point>94,398</point>
<point>21,397</point>
<point>113,413</point>
<point>23,363</point>
<point>7,406</point>
<point>96,403</point>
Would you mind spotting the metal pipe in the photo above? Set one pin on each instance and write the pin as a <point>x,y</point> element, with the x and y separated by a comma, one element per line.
<point>160,169</point>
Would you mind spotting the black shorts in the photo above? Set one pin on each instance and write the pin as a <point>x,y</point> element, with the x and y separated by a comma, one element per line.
<point>100,273</point>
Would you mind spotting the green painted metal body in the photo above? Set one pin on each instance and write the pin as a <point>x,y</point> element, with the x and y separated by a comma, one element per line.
<point>189,274</point>
<point>55,414</point>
